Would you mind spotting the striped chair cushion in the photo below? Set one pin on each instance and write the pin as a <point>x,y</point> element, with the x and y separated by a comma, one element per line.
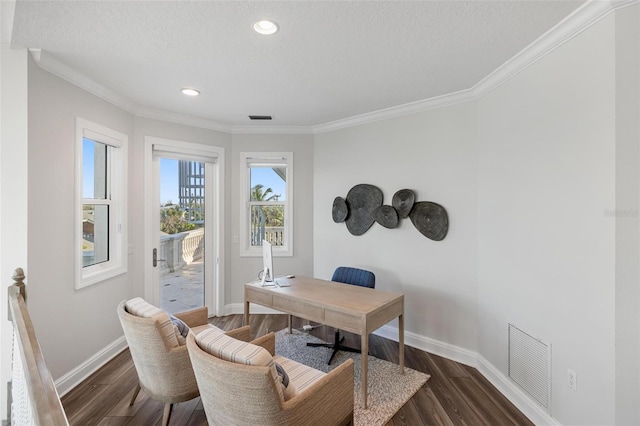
<point>200,328</point>
<point>218,344</point>
<point>300,375</point>
<point>140,308</point>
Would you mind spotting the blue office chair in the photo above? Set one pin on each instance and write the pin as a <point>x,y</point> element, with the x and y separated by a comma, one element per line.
<point>352,276</point>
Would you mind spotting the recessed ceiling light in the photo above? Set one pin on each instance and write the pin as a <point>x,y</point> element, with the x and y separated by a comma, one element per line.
<point>265,27</point>
<point>190,92</point>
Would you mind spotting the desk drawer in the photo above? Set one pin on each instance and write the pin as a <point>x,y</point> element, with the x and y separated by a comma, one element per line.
<point>298,308</point>
<point>260,298</point>
<point>343,321</point>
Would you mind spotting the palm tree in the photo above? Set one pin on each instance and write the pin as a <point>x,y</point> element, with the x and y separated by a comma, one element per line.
<point>275,215</point>
<point>172,220</point>
<point>262,216</point>
<point>257,194</point>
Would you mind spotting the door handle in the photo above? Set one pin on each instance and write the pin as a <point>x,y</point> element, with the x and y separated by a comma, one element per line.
<point>155,258</point>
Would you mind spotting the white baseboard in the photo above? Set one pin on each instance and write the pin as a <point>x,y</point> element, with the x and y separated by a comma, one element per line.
<point>510,390</point>
<point>74,377</point>
<point>513,393</point>
<point>446,350</point>
<point>506,386</point>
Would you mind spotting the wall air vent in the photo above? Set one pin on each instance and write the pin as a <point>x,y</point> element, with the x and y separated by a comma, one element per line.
<point>260,117</point>
<point>530,365</point>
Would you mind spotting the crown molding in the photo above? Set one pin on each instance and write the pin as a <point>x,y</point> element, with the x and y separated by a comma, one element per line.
<point>186,120</point>
<point>7,12</point>
<point>272,130</point>
<point>581,19</point>
<point>397,111</point>
<point>219,127</point>
<point>51,64</point>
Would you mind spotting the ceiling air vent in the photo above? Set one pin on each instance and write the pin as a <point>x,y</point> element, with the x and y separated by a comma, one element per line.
<point>260,117</point>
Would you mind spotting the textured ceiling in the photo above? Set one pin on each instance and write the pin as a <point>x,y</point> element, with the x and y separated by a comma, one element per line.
<point>330,60</point>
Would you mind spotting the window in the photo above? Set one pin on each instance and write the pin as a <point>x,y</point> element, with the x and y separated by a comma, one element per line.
<point>266,182</point>
<point>101,236</point>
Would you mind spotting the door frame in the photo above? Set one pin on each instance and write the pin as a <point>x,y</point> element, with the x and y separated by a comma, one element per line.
<point>215,300</point>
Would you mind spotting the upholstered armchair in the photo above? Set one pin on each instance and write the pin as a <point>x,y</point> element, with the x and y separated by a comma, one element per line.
<point>240,384</point>
<point>161,361</point>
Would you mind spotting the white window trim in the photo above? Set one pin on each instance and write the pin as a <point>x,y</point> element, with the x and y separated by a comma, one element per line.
<point>117,263</point>
<point>264,158</point>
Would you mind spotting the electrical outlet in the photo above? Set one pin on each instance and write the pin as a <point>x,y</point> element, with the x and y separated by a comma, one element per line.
<point>573,379</point>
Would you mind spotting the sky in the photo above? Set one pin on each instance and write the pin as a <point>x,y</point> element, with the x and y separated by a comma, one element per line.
<point>87,168</point>
<point>269,179</point>
<point>169,180</point>
<point>169,176</point>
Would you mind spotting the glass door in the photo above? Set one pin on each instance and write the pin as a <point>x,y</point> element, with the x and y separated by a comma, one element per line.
<point>180,251</point>
<point>184,225</point>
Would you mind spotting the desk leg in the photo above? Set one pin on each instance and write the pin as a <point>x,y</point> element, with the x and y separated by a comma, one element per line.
<point>290,323</point>
<point>246,313</point>
<point>365,360</point>
<point>401,342</point>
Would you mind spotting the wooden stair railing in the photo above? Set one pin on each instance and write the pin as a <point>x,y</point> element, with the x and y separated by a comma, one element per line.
<point>34,398</point>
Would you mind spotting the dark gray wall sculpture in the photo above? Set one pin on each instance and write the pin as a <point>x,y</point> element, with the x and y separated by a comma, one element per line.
<point>362,201</point>
<point>430,219</point>
<point>387,216</point>
<point>340,211</point>
<point>363,206</point>
<point>403,201</point>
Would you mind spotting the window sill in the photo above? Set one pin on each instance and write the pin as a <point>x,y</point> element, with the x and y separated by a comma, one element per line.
<point>99,276</point>
<point>257,252</point>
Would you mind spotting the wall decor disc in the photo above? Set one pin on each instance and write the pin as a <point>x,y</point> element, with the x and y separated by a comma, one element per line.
<point>387,216</point>
<point>403,202</point>
<point>430,219</point>
<point>363,200</point>
<point>340,210</point>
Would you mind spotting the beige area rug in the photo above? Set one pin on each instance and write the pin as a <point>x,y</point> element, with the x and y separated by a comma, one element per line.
<point>388,389</point>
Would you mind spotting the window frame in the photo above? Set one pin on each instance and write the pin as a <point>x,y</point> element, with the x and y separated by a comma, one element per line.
<point>116,199</point>
<point>264,159</point>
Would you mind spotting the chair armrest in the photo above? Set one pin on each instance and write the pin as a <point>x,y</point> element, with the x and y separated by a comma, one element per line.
<point>333,393</point>
<point>242,333</point>
<point>268,341</point>
<point>194,317</point>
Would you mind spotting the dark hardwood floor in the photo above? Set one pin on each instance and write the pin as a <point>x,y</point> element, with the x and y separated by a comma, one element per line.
<point>454,395</point>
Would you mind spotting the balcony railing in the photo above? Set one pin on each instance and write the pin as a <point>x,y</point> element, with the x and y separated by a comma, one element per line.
<point>183,248</point>
<point>180,249</point>
<point>34,398</point>
<point>273,234</point>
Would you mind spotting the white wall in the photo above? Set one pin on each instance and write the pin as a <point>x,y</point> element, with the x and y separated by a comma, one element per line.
<point>13,193</point>
<point>627,223</point>
<point>525,173</point>
<point>72,325</point>
<point>434,154</point>
<point>75,327</point>
<point>546,252</point>
<point>245,269</point>
<point>149,127</point>
<point>528,174</point>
